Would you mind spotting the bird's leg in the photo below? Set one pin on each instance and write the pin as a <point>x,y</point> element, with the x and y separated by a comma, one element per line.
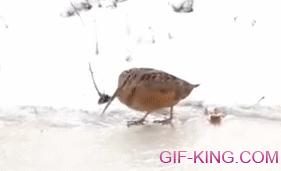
<point>137,122</point>
<point>168,120</point>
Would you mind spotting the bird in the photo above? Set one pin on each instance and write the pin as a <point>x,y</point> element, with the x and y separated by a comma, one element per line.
<point>148,90</point>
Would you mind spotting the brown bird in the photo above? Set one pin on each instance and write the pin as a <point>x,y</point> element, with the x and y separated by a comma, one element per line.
<point>147,90</point>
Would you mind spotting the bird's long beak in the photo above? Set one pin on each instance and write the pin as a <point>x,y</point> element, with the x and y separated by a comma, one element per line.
<point>115,94</point>
<point>109,102</point>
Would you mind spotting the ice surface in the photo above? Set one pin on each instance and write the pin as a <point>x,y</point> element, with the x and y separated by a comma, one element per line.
<point>46,138</point>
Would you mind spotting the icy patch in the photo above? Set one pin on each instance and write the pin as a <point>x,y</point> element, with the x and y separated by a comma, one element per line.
<point>48,138</point>
<point>119,114</point>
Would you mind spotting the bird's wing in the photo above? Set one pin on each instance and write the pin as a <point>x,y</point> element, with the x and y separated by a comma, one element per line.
<point>156,80</point>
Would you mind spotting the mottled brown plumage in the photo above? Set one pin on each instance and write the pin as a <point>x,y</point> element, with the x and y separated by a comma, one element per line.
<point>147,89</point>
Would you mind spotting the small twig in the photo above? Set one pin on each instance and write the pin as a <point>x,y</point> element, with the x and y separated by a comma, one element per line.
<point>103,97</point>
<point>76,12</point>
<point>92,75</point>
<point>153,34</point>
<point>97,48</point>
<point>260,99</point>
<point>97,41</point>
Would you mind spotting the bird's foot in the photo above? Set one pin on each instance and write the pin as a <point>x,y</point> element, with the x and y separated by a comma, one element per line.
<point>137,122</point>
<point>164,122</point>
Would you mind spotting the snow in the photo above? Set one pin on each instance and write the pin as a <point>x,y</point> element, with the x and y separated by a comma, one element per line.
<point>49,116</point>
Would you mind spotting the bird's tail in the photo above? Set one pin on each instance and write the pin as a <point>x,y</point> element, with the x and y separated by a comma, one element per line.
<point>195,85</point>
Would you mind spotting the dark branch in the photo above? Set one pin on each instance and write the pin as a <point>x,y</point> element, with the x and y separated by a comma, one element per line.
<point>76,12</point>
<point>258,102</point>
<point>103,97</point>
<point>92,75</point>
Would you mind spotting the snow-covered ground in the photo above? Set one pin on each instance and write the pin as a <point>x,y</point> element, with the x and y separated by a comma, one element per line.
<point>49,116</point>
